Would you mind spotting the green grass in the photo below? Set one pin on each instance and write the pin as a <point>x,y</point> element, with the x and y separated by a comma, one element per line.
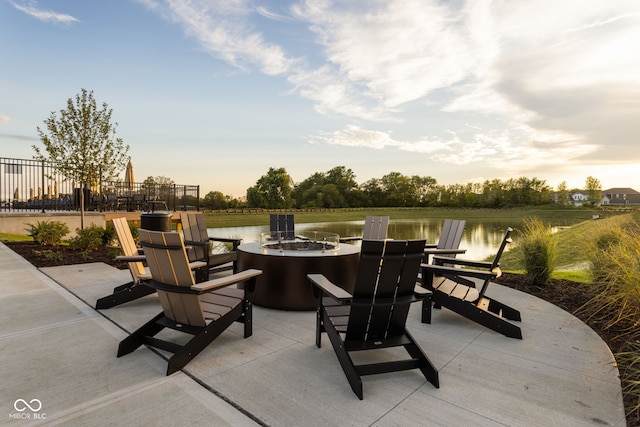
<point>15,238</point>
<point>261,217</point>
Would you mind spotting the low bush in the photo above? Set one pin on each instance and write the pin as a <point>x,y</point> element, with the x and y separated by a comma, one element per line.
<point>48,233</point>
<point>91,238</point>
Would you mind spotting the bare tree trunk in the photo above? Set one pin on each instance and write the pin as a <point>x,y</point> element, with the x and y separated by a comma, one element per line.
<point>82,206</point>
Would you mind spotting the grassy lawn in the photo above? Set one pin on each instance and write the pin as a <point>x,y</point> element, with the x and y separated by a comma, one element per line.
<point>250,218</point>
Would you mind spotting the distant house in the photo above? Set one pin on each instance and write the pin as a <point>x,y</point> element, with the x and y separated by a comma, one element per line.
<point>620,197</point>
<point>578,198</point>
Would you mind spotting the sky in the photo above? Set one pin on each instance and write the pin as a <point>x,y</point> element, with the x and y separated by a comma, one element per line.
<point>216,92</point>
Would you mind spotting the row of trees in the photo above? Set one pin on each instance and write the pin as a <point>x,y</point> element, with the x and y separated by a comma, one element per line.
<point>82,141</point>
<point>338,188</point>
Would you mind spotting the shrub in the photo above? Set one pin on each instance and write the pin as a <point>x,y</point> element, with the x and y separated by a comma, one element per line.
<point>48,233</point>
<point>108,235</point>
<point>50,255</point>
<point>89,239</point>
<point>538,247</point>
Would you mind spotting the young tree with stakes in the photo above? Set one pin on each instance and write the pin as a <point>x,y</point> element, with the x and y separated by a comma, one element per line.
<point>81,143</point>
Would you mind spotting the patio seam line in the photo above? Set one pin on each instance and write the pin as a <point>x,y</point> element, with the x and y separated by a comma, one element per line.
<point>42,328</point>
<point>101,402</point>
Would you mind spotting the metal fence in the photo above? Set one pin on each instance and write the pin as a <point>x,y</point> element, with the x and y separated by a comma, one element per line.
<point>28,185</point>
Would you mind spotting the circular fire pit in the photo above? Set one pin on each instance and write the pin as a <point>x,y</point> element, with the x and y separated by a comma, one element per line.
<point>310,241</point>
<point>285,264</point>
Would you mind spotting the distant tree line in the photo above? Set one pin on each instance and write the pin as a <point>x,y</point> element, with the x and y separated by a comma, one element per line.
<point>338,188</point>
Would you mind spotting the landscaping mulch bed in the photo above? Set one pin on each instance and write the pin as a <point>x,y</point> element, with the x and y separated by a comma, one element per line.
<point>570,296</point>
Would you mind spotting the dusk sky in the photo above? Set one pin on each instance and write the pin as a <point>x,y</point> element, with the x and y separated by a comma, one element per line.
<point>215,92</point>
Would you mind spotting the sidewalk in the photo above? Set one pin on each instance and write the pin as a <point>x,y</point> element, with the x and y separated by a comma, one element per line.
<point>59,366</point>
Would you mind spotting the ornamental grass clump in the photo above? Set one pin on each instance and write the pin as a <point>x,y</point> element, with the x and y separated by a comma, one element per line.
<point>538,249</point>
<point>629,364</point>
<point>615,269</point>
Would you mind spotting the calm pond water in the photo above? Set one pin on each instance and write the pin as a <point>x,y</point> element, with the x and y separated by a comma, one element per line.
<point>481,238</point>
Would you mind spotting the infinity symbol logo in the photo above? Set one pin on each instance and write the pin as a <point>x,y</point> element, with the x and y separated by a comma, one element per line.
<point>21,405</point>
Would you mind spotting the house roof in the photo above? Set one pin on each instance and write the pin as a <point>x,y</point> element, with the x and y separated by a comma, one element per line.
<point>620,190</point>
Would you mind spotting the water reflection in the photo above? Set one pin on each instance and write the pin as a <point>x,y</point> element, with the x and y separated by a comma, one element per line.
<point>481,238</point>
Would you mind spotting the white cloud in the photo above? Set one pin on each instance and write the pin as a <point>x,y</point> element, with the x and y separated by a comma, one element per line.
<point>525,83</point>
<point>223,29</point>
<point>4,119</point>
<point>31,8</point>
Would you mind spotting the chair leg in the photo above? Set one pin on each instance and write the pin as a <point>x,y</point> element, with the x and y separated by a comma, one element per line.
<point>480,315</point>
<point>136,339</point>
<point>123,294</point>
<point>248,318</point>
<point>345,360</point>
<point>426,310</point>
<point>201,340</point>
<point>503,310</point>
<point>428,369</point>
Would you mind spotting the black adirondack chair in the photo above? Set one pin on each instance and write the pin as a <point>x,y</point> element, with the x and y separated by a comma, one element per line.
<point>203,310</point>
<point>463,290</point>
<point>374,316</point>
<point>282,226</point>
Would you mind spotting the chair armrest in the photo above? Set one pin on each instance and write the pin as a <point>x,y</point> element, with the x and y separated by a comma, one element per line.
<point>197,264</point>
<point>430,245</point>
<point>196,242</point>
<point>131,258</point>
<point>226,281</point>
<point>452,271</point>
<point>234,242</point>
<point>329,288</point>
<point>438,260</point>
<point>349,239</point>
<point>421,292</point>
<point>436,251</point>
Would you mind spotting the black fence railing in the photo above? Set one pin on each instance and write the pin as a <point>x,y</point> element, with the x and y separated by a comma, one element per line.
<point>28,185</point>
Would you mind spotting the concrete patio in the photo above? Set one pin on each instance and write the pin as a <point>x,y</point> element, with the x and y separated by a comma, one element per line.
<point>59,366</point>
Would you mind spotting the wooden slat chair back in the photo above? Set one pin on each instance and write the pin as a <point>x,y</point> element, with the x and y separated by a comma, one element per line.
<point>375,228</point>
<point>129,248</point>
<point>203,310</point>
<point>463,290</point>
<point>449,242</point>
<point>374,316</point>
<point>387,272</point>
<point>282,226</point>
<point>169,265</point>
<point>131,255</point>
<point>196,237</point>
<point>194,229</point>
<point>451,234</point>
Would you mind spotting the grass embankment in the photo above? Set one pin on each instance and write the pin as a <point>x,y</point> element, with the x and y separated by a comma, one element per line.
<point>261,217</point>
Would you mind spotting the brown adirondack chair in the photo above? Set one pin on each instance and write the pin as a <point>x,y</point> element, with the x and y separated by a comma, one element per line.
<point>203,310</point>
<point>375,228</point>
<point>197,238</point>
<point>463,290</point>
<point>132,256</point>
<point>374,316</point>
